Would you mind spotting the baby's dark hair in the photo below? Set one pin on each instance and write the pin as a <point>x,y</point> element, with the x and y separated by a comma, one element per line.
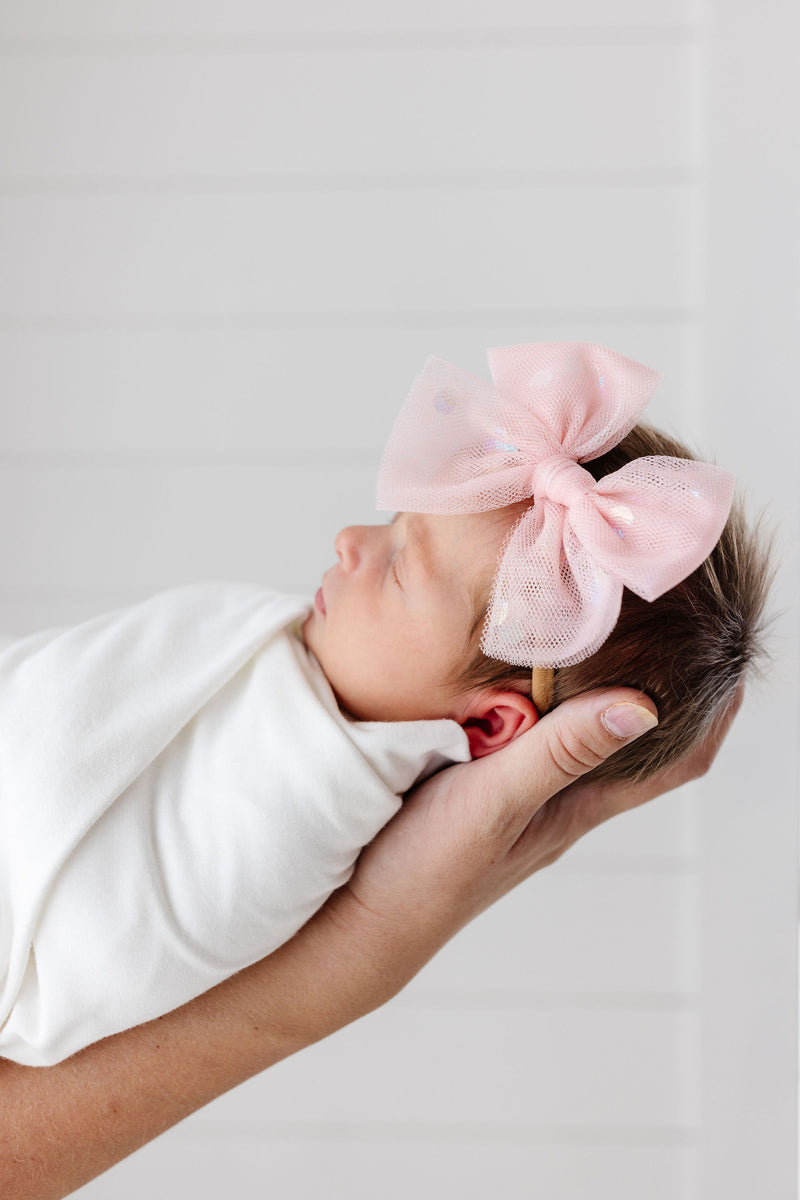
<point>689,650</point>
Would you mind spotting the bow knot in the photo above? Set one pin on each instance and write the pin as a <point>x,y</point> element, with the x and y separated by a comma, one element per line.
<point>561,480</point>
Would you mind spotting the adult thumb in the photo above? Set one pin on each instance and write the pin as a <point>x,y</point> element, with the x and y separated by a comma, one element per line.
<point>580,734</point>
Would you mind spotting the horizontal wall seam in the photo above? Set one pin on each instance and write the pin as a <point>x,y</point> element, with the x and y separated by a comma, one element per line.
<point>450,40</point>
<point>440,1131</point>
<point>168,460</point>
<point>586,864</point>
<point>101,460</point>
<point>387,319</point>
<point>469,181</point>
<point>522,1000</point>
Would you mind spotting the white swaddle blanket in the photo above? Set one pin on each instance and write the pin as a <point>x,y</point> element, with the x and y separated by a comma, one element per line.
<point>179,792</point>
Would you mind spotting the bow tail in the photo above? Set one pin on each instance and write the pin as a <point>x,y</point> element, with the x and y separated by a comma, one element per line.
<point>551,605</point>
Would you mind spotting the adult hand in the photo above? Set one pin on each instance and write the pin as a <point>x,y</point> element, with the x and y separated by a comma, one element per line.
<point>466,837</point>
<point>463,839</point>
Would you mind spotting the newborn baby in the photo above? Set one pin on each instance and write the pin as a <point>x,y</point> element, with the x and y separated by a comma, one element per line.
<point>185,781</point>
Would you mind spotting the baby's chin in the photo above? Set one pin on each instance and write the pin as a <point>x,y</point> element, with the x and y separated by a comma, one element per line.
<point>308,632</point>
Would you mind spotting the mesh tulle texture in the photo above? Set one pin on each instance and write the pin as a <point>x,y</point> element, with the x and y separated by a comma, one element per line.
<point>462,445</point>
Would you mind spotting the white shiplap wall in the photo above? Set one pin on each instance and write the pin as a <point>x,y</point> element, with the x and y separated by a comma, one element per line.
<point>229,236</point>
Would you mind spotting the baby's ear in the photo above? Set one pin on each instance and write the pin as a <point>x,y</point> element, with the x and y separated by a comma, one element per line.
<point>493,719</point>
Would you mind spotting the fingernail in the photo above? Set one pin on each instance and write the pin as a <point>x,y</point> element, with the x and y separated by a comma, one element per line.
<point>628,720</point>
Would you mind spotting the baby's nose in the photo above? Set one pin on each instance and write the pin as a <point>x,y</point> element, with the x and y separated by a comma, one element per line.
<point>346,544</point>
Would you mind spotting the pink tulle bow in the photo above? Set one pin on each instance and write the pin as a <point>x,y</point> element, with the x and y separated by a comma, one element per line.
<point>462,445</point>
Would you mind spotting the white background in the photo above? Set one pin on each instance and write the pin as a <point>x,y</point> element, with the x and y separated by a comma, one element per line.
<point>229,236</point>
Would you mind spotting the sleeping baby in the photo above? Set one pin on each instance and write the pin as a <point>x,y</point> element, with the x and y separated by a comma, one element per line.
<point>184,782</point>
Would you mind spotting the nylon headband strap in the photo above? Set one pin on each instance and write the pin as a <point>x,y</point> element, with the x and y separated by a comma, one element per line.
<point>542,688</point>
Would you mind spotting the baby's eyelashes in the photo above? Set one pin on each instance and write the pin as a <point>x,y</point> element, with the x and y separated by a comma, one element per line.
<point>395,575</point>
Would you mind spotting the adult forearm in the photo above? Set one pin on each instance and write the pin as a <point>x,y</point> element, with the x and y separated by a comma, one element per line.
<point>63,1125</point>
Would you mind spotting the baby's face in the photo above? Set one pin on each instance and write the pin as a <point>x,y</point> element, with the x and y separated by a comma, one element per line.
<point>393,618</point>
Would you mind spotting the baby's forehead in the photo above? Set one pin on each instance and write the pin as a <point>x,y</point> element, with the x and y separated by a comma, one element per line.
<point>463,550</point>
